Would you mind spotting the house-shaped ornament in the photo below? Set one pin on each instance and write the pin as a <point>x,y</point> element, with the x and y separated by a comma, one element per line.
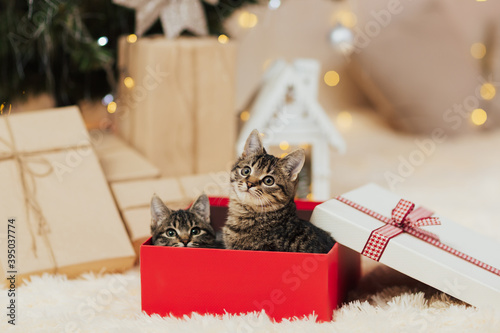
<point>286,111</point>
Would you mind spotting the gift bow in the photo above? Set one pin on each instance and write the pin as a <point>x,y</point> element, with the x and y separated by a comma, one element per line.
<point>405,219</point>
<point>409,220</point>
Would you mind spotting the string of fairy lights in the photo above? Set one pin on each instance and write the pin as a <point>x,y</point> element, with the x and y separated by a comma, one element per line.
<point>341,37</point>
<point>487,91</point>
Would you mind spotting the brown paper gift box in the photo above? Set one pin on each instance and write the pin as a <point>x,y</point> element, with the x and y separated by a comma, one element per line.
<point>180,111</point>
<point>133,198</point>
<point>119,161</point>
<point>53,185</point>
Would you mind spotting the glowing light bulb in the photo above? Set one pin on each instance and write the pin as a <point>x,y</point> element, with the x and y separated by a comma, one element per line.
<point>478,117</point>
<point>487,91</point>
<point>128,82</point>
<point>332,78</point>
<point>111,107</point>
<point>478,50</point>
<point>132,38</point>
<point>223,39</point>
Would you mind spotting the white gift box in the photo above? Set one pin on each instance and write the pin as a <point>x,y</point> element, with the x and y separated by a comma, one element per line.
<point>415,257</point>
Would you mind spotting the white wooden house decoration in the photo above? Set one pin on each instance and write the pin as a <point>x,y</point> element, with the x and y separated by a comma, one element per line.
<point>287,112</point>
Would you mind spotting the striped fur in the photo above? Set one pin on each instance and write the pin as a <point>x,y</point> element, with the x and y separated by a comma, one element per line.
<point>182,228</point>
<point>262,216</point>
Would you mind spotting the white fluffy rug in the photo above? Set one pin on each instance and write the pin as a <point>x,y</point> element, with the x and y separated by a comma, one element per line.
<point>111,303</point>
<point>460,179</point>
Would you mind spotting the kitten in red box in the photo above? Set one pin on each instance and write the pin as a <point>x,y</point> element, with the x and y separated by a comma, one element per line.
<point>184,227</point>
<point>262,213</point>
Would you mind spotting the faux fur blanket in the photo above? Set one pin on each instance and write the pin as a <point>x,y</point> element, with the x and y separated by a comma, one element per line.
<point>111,303</point>
<point>459,178</point>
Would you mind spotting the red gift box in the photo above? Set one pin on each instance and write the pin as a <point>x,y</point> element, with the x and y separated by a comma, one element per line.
<point>180,281</point>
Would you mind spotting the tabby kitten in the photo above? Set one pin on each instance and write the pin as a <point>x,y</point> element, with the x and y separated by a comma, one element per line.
<point>262,213</point>
<point>182,228</point>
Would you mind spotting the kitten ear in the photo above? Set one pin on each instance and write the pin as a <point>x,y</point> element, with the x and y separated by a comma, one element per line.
<point>293,163</point>
<point>201,207</point>
<point>253,144</point>
<point>159,211</point>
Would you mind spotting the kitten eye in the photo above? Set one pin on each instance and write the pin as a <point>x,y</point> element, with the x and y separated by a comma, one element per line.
<point>195,231</point>
<point>171,233</point>
<point>268,180</point>
<point>245,171</point>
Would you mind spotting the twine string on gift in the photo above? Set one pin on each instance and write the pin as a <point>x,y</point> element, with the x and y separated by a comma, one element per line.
<point>405,219</point>
<point>28,184</point>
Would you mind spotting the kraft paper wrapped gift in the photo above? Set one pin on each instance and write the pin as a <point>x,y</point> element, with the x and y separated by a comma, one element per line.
<point>134,198</point>
<point>53,186</point>
<point>119,161</point>
<point>179,111</point>
<point>429,252</point>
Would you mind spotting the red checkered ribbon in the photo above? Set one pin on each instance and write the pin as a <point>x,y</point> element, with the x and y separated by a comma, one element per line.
<point>405,219</point>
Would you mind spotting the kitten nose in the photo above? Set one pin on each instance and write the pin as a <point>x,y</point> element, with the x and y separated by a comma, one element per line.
<point>185,241</point>
<point>251,182</point>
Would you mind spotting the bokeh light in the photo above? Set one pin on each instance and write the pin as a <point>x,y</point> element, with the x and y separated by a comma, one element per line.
<point>344,120</point>
<point>128,82</point>
<point>132,38</point>
<point>478,117</point>
<point>111,107</point>
<point>284,145</point>
<point>487,91</point>
<point>478,50</point>
<point>102,41</point>
<point>245,115</point>
<point>223,39</point>
<point>247,20</point>
<point>332,78</point>
<point>274,4</point>
<point>344,17</point>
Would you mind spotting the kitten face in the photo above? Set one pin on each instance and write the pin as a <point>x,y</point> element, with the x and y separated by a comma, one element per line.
<point>182,228</point>
<point>264,182</point>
